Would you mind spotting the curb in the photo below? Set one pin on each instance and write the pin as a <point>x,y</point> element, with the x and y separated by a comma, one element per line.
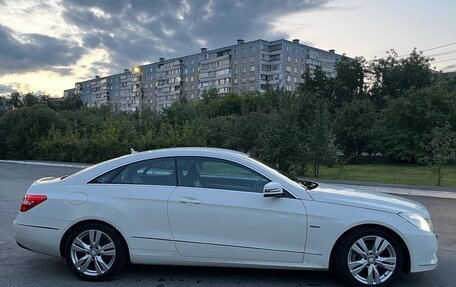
<point>46,163</point>
<point>405,191</point>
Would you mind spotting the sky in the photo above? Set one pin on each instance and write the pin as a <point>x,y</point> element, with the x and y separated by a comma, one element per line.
<point>48,45</point>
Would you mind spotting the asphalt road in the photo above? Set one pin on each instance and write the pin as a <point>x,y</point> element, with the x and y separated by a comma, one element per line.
<point>19,267</point>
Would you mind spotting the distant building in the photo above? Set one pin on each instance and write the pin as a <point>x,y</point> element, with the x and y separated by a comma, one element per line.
<point>68,93</point>
<point>245,66</point>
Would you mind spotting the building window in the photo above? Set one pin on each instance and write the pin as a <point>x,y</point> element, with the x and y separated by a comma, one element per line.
<point>252,59</point>
<point>252,68</point>
<point>288,59</point>
<point>252,49</point>
<point>288,69</point>
<point>274,57</point>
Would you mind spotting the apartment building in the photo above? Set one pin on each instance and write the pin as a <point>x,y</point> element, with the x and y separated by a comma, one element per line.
<point>242,67</point>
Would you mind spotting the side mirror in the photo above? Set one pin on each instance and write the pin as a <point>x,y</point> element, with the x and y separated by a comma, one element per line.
<point>272,189</point>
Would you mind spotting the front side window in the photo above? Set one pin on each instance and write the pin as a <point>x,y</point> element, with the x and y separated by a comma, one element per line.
<point>159,171</point>
<point>218,174</point>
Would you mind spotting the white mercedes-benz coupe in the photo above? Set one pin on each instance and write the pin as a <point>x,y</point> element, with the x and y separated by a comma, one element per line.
<point>215,207</point>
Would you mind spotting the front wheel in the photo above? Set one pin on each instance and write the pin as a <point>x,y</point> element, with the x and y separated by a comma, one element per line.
<point>95,252</point>
<point>369,257</point>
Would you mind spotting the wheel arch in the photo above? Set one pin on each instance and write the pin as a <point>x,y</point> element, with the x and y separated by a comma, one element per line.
<point>90,221</point>
<point>407,259</point>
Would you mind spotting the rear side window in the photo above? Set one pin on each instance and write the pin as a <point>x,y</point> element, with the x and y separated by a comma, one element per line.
<point>161,171</point>
<point>107,177</point>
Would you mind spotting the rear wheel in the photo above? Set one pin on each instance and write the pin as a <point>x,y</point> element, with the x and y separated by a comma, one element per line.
<point>95,252</point>
<point>369,257</point>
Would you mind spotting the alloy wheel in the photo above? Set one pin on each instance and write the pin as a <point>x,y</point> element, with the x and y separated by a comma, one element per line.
<point>93,252</point>
<point>372,260</point>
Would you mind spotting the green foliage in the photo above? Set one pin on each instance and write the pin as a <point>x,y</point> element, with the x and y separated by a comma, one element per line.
<point>62,146</point>
<point>20,129</point>
<point>440,150</point>
<point>353,125</point>
<point>315,131</point>
<point>405,126</point>
<point>392,76</point>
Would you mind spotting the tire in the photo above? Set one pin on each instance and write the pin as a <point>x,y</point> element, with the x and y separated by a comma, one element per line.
<point>377,262</point>
<point>95,252</point>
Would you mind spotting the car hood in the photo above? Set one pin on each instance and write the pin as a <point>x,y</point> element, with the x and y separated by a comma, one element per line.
<point>364,198</point>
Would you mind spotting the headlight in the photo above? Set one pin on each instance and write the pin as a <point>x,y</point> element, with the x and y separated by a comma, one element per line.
<point>417,220</point>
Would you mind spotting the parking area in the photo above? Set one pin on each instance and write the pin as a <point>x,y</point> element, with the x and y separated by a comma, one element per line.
<point>19,267</point>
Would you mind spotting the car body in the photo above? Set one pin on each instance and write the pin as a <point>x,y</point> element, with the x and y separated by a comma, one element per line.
<point>216,207</point>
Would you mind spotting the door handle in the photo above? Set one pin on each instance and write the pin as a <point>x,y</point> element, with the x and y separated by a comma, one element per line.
<point>189,200</point>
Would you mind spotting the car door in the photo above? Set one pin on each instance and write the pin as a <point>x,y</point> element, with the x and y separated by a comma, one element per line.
<point>218,211</point>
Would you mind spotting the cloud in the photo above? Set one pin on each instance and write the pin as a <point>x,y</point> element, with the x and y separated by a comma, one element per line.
<point>449,67</point>
<point>49,44</point>
<point>28,52</point>
<point>139,31</point>
<point>5,89</point>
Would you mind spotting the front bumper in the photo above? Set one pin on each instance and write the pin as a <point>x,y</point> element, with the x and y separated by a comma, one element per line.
<point>422,247</point>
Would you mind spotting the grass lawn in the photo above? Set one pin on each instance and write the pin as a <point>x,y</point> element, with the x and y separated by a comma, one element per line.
<point>391,173</point>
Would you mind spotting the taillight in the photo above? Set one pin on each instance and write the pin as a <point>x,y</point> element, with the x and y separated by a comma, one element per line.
<point>30,201</point>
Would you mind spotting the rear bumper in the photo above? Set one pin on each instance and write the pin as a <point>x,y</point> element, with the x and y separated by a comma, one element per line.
<point>40,239</point>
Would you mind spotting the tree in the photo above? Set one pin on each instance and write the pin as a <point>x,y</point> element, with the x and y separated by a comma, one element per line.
<point>318,83</point>
<point>440,150</point>
<point>391,77</point>
<point>72,103</point>
<point>243,131</point>
<point>16,100</point>
<point>20,129</point>
<point>29,100</point>
<point>314,129</point>
<point>403,129</point>
<point>277,141</point>
<point>353,127</point>
<point>4,104</point>
<point>349,81</point>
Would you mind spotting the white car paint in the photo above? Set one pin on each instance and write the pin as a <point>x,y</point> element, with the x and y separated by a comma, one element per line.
<point>211,227</point>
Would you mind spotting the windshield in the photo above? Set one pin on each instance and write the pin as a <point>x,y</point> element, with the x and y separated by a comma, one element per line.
<point>302,183</point>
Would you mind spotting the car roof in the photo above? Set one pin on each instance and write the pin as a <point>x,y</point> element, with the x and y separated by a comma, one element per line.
<point>189,151</point>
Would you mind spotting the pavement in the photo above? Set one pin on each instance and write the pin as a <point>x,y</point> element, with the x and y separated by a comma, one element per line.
<point>19,267</point>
